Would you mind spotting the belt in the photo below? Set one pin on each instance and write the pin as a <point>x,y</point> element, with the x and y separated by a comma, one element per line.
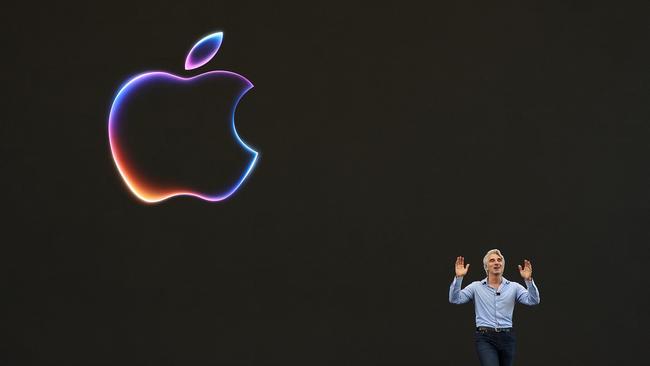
<point>497,330</point>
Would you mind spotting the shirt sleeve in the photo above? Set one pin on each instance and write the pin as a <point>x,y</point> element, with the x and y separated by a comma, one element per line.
<point>528,295</point>
<point>458,296</point>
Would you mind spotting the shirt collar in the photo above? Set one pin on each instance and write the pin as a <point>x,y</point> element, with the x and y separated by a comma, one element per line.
<point>504,282</point>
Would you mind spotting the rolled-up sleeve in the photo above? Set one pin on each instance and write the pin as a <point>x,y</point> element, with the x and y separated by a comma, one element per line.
<point>528,295</point>
<point>458,296</point>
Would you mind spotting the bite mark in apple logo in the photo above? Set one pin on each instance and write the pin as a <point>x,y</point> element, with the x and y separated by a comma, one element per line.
<point>145,185</point>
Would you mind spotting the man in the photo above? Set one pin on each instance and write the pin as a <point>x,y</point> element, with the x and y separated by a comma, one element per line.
<point>494,300</point>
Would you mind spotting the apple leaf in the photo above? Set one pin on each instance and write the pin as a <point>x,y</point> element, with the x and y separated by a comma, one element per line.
<point>203,51</point>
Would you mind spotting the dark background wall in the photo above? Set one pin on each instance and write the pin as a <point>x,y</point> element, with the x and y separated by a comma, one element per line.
<point>393,138</point>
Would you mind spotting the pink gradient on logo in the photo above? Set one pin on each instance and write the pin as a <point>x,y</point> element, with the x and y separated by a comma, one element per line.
<point>203,51</point>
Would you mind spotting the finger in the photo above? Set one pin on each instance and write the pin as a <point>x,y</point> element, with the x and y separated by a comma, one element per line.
<point>467,267</point>
<point>519,266</point>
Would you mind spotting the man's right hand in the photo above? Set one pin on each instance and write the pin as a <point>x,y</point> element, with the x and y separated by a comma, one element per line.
<point>461,267</point>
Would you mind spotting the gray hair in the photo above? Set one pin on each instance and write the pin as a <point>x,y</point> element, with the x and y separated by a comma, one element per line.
<point>492,251</point>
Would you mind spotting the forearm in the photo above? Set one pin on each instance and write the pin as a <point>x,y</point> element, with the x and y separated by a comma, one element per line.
<point>456,295</point>
<point>533,293</point>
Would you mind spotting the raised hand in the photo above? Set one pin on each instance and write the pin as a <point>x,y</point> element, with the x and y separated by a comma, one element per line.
<point>461,267</point>
<point>526,272</point>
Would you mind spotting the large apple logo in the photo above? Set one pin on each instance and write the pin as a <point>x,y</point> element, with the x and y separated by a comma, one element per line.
<point>138,144</point>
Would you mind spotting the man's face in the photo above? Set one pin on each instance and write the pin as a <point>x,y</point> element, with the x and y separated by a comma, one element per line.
<point>495,264</point>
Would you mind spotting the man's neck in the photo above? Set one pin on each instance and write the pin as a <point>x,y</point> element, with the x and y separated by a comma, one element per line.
<point>494,279</point>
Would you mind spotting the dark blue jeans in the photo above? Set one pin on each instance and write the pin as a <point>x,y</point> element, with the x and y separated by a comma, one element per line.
<point>495,348</point>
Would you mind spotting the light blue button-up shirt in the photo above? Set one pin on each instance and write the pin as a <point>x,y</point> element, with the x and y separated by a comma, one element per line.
<point>493,307</point>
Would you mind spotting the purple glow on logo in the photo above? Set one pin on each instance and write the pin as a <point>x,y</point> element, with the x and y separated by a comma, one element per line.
<point>203,51</point>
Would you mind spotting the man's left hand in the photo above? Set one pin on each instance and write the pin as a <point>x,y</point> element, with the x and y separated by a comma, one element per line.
<point>527,271</point>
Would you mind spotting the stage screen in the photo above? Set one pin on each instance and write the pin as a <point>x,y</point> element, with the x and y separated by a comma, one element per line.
<point>340,159</point>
